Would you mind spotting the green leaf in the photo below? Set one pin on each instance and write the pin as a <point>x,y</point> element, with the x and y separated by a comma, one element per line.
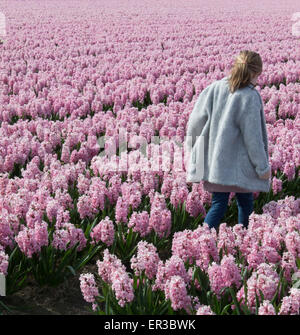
<point>12,254</point>
<point>165,308</point>
<point>208,296</point>
<point>71,270</point>
<point>237,305</point>
<point>129,237</point>
<point>85,259</point>
<point>107,305</point>
<point>246,309</point>
<point>246,292</point>
<point>256,304</point>
<point>225,309</point>
<point>261,295</point>
<point>149,296</point>
<point>5,307</point>
<point>90,227</point>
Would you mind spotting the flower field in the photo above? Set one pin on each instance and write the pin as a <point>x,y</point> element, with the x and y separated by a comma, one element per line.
<point>95,97</point>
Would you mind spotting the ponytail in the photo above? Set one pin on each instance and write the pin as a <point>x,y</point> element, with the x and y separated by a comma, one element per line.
<point>246,63</point>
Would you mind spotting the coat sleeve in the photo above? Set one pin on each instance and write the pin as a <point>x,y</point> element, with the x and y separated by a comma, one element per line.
<point>250,124</point>
<point>199,116</point>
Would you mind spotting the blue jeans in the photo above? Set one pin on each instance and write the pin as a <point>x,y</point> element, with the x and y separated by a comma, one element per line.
<point>219,206</point>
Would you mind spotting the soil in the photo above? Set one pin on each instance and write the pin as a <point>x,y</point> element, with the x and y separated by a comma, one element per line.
<point>65,299</point>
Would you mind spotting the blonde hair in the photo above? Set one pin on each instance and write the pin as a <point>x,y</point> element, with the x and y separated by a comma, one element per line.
<point>246,63</point>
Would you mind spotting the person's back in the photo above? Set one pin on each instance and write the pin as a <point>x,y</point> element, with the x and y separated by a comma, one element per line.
<point>228,116</point>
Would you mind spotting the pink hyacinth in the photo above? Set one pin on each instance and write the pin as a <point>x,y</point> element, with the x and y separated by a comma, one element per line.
<point>160,221</point>
<point>276,185</point>
<point>205,310</point>
<point>139,222</point>
<point>175,290</point>
<point>264,278</point>
<point>292,242</point>
<point>132,193</point>
<point>224,275</point>
<point>121,210</point>
<point>255,257</point>
<point>113,272</point>
<point>31,240</point>
<point>288,264</point>
<point>84,207</point>
<point>83,183</point>
<point>52,209</point>
<point>239,233</point>
<point>68,236</point>
<point>205,247</point>
<point>271,255</point>
<point>147,259</point>
<point>179,194</point>
<point>6,231</point>
<point>230,271</point>
<point>34,214</point>
<point>109,264</point>
<point>122,285</point>
<point>104,231</point>
<point>266,308</point>
<point>89,288</point>
<point>291,304</point>
<point>172,267</point>
<point>182,245</point>
<point>226,239</point>
<point>195,302</point>
<point>194,205</point>
<point>198,245</point>
<point>215,278</point>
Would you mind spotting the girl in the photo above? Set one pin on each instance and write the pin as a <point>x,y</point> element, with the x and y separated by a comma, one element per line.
<point>229,123</point>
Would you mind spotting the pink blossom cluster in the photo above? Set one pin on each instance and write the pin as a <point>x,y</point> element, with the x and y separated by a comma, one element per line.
<point>160,216</point>
<point>264,279</point>
<point>204,310</point>
<point>227,239</point>
<point>147,260</point>
<point>194,205</point>
<point>199,245</point>
<point>68,236</point>
<point>89,288</point>
<point>227,274</point>
<point>273,236</point>
<point>93,199</point>
<point>132,193</point>
<point>290,304</point>
<point>266,308</point>
<point>175,290</point>
<point>172,267</point>
<point>31,240</point>
<point>139,222</point>
<point>113,272</point>
<point>104,231</point>
<point>288,264</point>
<point>122,207</point>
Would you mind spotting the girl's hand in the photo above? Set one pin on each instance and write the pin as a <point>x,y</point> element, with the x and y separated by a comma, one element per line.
<point>267,175</point>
